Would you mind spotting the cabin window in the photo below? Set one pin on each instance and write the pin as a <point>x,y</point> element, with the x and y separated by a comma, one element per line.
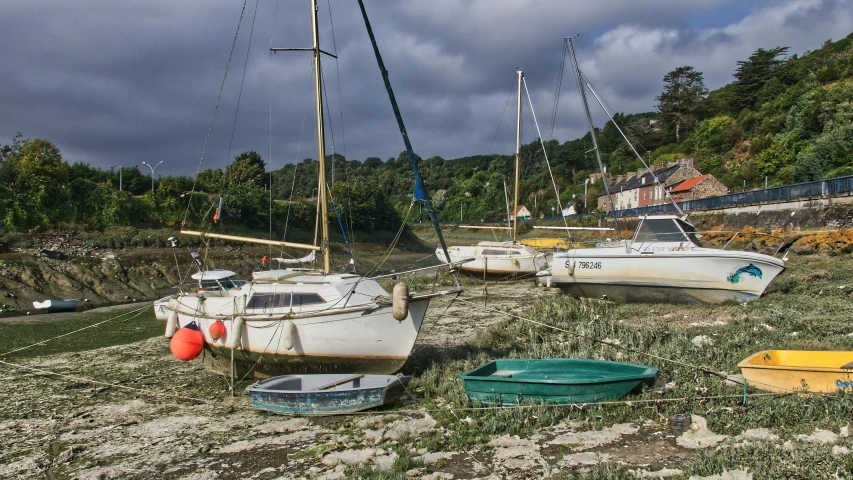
<point>690,230</point>
<point>231,282</point>
<point>493,251</point>
<point>307,298</point>
<point>659,231</point>
<point>209,284</point>
<point>268,301</point>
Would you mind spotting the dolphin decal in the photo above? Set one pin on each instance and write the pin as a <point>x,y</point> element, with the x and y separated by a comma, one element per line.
<point>750,269</point>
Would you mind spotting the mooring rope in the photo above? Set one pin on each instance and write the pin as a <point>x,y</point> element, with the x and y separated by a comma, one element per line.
<point>138,312</point>
<point>628,349</point>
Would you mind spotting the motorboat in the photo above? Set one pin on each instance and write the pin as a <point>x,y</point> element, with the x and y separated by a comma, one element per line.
<point>663,262</point>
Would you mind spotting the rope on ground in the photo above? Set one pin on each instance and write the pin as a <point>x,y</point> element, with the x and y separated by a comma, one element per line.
<point>627,349</point>
<point>138,312</point>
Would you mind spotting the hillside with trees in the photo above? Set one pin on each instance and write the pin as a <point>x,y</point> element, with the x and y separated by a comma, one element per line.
<point>783,119</point>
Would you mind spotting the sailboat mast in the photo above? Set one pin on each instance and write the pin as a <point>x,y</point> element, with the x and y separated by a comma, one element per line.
<point>582,91</point>
<point>321,143</point>
<point>517,162</point>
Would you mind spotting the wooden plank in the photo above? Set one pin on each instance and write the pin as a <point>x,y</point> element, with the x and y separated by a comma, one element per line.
<point>261,241</point>
<point>594,229</point>
<point>338,382</point>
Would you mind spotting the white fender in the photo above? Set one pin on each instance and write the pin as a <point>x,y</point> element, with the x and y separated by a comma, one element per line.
<point>236,333</point>
<point>171,324</point>
<point>400,297</point>
<point>288,335</point>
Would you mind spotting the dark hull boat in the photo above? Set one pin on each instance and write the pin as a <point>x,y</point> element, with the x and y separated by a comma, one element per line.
<point>327,394</point>
<point>553,380</point>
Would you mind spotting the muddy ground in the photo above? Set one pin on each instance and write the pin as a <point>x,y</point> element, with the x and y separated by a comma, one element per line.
<point>152,415</point>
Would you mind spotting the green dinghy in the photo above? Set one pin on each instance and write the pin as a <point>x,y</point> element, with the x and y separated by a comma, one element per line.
<point>554,380</point>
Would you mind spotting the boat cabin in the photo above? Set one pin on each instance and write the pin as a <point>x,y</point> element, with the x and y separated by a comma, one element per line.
<point>217,280</point>
<point>505,249</point>
<point>665,229</point>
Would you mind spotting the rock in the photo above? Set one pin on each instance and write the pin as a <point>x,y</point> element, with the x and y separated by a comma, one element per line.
<point>437,476</point>
<point>348,457</point>
<point>583,458</point>
<point>701,341</point>
<point>845,431</point>
<point>385,462</point>
<point>662,473</point>
<point>699,435</point>
<point>820,437</point>
<point>411,426</point>
<point>727,475</point>
<point>432,457</point>
<point>839,450</point>
<point>593,438</point>
<point>758,434</point>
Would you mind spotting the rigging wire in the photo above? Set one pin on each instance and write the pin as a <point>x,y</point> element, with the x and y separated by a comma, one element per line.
<point>655,177</point>
<point>557,92</point>
<point>215,109</point>
<point>240,93</point>
<point>547,162</point>
<point>500,117</point>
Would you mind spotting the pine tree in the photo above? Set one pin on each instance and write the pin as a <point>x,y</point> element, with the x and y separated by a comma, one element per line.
<point>754,73</point>
<point>682,98</point>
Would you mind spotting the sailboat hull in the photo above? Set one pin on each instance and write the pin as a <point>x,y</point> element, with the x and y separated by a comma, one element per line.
<point>527,262</point>
<point>364,339</point>
<point>690,276</point>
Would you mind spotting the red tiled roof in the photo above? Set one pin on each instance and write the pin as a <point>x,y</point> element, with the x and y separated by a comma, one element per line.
<point>686,185</point>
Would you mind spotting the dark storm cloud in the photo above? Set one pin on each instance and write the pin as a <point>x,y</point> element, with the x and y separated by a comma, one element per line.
<point>113,83</point>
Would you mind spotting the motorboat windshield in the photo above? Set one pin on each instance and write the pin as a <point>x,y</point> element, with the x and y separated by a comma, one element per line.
<point>667,229</point>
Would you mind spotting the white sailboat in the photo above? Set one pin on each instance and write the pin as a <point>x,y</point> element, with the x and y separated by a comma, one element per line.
<point>504,259</point>
<point>663,262</point>
<point>296,320</point>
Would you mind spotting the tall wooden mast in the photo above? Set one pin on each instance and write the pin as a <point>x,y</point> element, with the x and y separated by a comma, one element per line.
<point>321,144</point>
<point>517,162</point>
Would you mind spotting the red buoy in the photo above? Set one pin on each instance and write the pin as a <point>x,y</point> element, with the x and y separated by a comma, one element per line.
<point>187,343</point>
<point>216,330</point>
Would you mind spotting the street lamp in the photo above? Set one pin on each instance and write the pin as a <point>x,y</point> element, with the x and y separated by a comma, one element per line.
<point>152,173</point>
<point>120,168</point>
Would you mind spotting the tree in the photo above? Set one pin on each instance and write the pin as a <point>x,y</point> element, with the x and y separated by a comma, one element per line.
<point>682,98</point>
<point>753,73</point>
<point>248,167</point>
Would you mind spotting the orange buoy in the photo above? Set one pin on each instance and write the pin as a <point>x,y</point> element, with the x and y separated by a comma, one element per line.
<point>216,330</point>
<point>187,343</point>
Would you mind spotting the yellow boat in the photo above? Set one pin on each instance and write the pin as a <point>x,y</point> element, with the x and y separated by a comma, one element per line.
<point>789,370</point>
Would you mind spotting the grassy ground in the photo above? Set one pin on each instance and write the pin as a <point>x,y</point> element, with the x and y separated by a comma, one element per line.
<point>807,307</point>
<point>121,325</point>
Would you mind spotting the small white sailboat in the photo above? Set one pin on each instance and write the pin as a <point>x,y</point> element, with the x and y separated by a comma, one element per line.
<point>298,320</point>
<point>504,259</point>
<point>663,262</point>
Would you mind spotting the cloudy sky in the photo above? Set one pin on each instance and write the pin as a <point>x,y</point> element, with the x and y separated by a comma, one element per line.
<point>118,83</point>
